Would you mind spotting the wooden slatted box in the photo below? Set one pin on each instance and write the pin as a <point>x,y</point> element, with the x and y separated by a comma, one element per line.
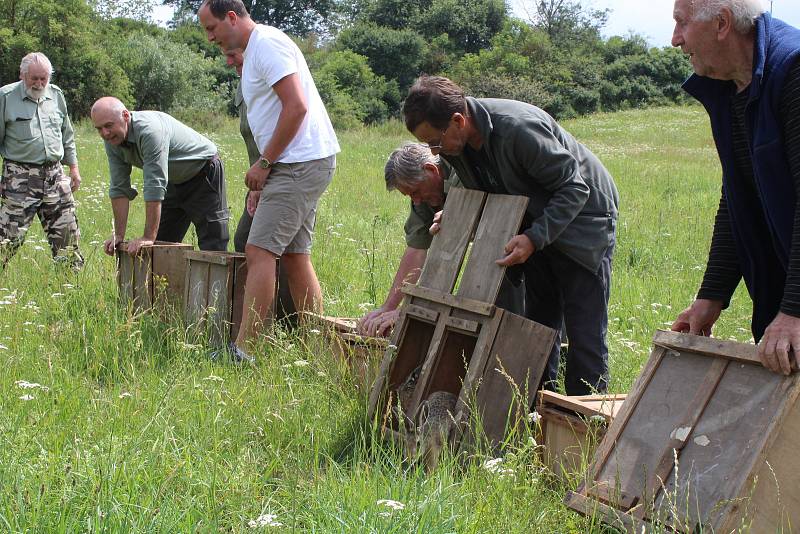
<point>488,357</point>
<point>215,292</point>
<point>706,441</point>
<point>361,353</point>
<point>571,428</point>
<point>155,274</point>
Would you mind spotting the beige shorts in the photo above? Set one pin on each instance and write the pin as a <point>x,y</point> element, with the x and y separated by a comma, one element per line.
<point>287,210</point>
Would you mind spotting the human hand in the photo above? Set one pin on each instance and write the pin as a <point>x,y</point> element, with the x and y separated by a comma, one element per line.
<point>518,250</point>
<point>256,177</point>
<point>111,245</point>
<point>75,179</point>
<point>437,223</point>
<point>251,203</point>
<point>135,245</point>
<point>377,323</point>
<point>699,318</point>
<point>781,339</point>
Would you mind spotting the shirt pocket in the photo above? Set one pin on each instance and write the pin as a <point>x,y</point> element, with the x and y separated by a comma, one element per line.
<point>21,128</point>
<point>53,121</point>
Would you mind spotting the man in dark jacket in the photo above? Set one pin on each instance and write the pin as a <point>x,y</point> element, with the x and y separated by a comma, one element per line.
<point>747,76</point>
<point>566,244</point>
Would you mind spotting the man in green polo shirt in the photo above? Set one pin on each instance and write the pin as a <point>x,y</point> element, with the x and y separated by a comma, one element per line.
<point>184,181</point>
<point>36,136</point>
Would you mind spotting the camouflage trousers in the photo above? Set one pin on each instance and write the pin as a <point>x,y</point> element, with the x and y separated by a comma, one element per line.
<point>28,190</point>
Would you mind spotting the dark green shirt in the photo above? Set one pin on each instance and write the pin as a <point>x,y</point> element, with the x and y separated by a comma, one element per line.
<point>35,132</point>
<point>572,198</point>
<point>164,148</point>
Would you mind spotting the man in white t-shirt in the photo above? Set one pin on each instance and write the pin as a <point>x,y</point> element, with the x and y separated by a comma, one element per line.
<point>298,156</point>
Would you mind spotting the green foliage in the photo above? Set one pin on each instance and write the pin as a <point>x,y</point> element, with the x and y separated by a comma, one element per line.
<point>296,17</point>
<point>61,29</point>
<point>353,93</point>
<point>469,24</point>
<point>166,75</point>
<point>394,54</point>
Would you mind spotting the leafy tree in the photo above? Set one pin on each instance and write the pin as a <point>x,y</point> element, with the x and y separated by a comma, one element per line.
<point>394,54</point>
<point>166,75</point>
<point>469,24</point>
<point>566,21</point>
<point>64,31</point>
<point>297,17</point>
<point>352,93</point>
<point>132,9</point>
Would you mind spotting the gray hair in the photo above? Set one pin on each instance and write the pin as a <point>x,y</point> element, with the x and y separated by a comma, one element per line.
<point>35,58</point>
<point>745,12</point>
<point>405,165</point>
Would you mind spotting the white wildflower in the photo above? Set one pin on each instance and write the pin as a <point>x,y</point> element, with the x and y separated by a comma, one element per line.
<point>495,466</point>
<point>534,417</point>
<point>23,384</point>
<point>300,363</point>
<point>125,395</point>
<point>314,331</point>
<point>54,295</point>
<point>389,503</point>
<point>214,378</point>
<point>265,520</point>
<point>27,397</point>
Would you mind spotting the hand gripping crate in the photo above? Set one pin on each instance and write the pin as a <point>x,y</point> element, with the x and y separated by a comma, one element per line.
<point>705,442</point>
<point>571,428</point>
<point>153,275</point>
<point>488,357</point>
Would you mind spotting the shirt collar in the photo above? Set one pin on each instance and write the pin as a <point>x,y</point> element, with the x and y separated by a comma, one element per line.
<point>133,135</point>
<point>481,118</point>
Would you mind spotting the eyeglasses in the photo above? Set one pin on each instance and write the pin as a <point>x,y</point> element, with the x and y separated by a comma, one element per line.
<point>438,146</point>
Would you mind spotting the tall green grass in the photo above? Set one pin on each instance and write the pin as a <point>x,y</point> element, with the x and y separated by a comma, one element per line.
<point>134,429</point>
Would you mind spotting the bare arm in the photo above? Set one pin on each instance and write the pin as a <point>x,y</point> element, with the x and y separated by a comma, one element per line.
<point>379,322</point>
<point>119,207</point>
<point>293,112</point>
<point>152,218</point>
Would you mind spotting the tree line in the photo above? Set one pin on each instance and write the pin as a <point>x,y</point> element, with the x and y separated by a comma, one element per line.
<point>364,54</point>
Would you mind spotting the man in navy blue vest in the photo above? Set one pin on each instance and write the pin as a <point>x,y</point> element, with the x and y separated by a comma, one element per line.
<point>747,75</point>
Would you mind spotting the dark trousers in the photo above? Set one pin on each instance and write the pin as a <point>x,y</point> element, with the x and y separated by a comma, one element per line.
<point>284,307</point>
<point>200,201</point>
<point>563,293</point>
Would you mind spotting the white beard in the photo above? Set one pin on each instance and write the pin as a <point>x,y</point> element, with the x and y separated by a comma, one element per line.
<point>35,94</point>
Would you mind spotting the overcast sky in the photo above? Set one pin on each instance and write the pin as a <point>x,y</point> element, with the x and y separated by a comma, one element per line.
<point>651,18</point>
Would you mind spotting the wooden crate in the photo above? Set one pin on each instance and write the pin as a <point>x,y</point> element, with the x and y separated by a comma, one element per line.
<point>155,274</point>
<point>361,353</point>
<point>488,357</point>
<point>215,292</point>
<point>706,441</point>
<point>571,428</point>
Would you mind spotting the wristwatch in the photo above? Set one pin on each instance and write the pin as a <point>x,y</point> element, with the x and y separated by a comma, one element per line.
<point>264,163</point>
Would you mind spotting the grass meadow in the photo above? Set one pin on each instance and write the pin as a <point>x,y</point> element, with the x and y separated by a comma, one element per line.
<point>116,424</point>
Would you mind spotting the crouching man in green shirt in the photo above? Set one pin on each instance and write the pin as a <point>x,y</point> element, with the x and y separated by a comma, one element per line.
<point>184,181</point>
<point>36,137</point>
<point>414,171</point>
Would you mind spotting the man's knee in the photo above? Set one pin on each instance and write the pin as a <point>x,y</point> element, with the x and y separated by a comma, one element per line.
<point>257,255</point>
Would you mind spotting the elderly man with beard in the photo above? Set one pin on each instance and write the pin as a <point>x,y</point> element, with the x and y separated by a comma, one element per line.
<point>36,137</point>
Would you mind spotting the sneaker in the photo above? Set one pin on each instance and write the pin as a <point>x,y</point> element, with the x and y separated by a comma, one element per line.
<point>233,352</point>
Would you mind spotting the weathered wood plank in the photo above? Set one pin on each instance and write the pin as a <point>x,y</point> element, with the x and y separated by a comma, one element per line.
<point>446,253</point>
<point>474,306</point>
<point>500,221</point>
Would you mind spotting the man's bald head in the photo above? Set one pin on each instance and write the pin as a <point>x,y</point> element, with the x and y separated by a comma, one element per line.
<point>111,119</point>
